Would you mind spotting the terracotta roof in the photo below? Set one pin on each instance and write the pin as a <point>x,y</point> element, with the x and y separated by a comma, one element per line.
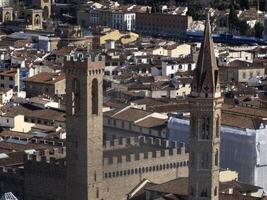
<point>7,134</point>
<point>179,187</point>
<point>131,114</point>
<point>32,111</point>
<point>13,159</point>
<point>152,122</point>
<point>10,73</point>
<point>240,121</point>
<point>46,78</point>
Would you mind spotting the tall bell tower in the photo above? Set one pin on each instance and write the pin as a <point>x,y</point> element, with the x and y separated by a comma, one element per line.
<point>84,94</point>
<point>206,103</point>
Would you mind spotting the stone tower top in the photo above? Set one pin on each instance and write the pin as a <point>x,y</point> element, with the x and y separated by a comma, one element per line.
<point>206,75</point>
<point>76,62</point>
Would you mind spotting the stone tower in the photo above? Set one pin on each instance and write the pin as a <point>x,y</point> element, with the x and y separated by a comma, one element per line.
<point>45,5</point>
<point>84,94</point>
<point>6,14</point>
<point>34,19</point>
<point>206,102</point>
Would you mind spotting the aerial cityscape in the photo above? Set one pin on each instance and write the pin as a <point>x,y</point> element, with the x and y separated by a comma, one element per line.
<point>133,100</point>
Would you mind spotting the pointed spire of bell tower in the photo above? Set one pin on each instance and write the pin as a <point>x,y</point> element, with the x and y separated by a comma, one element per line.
<point>205,122</point>
<point>206,75</point>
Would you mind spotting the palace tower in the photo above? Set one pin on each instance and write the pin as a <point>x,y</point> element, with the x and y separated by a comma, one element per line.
<point>84,127</point>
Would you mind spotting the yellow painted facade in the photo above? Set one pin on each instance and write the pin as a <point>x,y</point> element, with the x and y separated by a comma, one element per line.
<point>125,38</point>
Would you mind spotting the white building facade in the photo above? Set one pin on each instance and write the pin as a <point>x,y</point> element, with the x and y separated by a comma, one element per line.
<point>4,3</point>
<point>124,21</point>
<point>170,69</point>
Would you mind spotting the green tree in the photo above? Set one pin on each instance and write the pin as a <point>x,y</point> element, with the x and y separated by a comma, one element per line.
<point>244,4</point>
<point>243,27</point>
<point>263,5</point>
<point>258,29</point>
<point>233,19</point>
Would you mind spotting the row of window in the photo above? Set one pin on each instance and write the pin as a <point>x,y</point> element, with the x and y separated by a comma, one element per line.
<point>181,67</point>
<point>3,86</point>
<point>38,121</point>
<point>10,78</point>
<point>204,193</point>
<point>244,75</point>
<point>146,169</point>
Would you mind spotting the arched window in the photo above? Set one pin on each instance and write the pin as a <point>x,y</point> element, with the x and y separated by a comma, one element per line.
<point>37,19</point>
<point>189,67</point>
<point>217,157</point>
<point>95,97</point>
<point>75,96</point>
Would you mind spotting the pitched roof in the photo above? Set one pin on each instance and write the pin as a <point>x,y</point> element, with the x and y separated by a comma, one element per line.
<point>131,114</point>
<point>46,78</point>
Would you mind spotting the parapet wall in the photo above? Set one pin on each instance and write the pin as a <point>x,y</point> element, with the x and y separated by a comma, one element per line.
<point>11,172</point>
<point>166,150</point>
<point>55,157</point>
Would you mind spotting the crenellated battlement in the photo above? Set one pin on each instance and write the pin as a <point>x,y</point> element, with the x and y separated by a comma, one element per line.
<point>91,65</point>
<point>139,141</point>
<point>55,157</point>
<point>121,143</point>
<point>165,149</point>
<point>6,171</point>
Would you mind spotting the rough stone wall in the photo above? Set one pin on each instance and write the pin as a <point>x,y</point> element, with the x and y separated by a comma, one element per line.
<point>123,173</point>
<point>45,175</point>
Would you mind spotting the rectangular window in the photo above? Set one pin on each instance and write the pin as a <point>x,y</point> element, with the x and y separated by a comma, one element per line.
<point>244,75</point>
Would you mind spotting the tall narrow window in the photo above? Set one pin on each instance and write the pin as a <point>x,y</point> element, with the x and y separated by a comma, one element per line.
<point>95,97</point>
<point>215,191</point>
<point>204,160</point>
<point>205,128</point>
<point>217,126</point>
<point>75,96</point>
<point>97,193</point>
<point>216,157</point>
<point>95,176</point>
